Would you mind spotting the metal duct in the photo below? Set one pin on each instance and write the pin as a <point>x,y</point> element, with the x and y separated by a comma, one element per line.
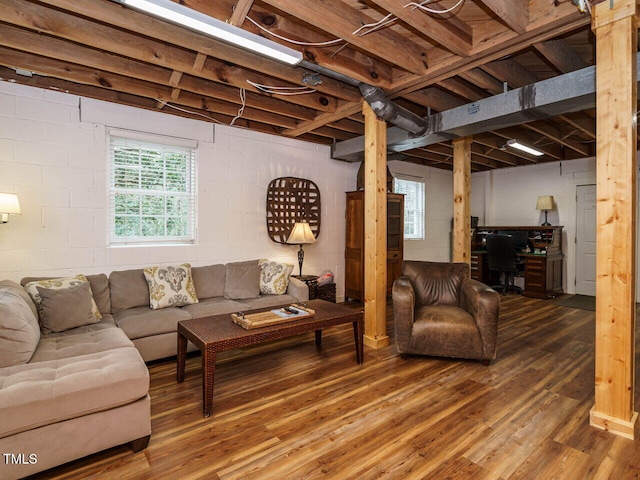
<point>377,100</point>
<point>392,112</point>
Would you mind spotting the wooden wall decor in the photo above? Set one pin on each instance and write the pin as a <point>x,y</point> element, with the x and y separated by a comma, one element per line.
<point>291,200</point>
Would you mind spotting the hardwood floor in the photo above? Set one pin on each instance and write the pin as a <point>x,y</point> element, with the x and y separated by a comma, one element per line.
<point>289,411</point>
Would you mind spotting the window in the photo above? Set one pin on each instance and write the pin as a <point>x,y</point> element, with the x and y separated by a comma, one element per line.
<point>151,189</point>
<point>413,207</point>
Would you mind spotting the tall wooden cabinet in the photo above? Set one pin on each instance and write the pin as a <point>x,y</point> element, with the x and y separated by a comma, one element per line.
<point>354,245</point>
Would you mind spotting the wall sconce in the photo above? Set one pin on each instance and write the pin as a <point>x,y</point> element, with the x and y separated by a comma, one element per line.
<point>545,202</point>
<point>9,205</point>
<point>301,235</point>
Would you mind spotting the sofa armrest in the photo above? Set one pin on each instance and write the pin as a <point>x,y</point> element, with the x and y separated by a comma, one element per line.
<point>483,304</point>
<point>404,300</point>
<point>298,289</point>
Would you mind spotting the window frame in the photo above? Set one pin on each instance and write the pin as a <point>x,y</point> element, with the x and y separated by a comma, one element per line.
<point>408,211</point>
<point>118,138</point>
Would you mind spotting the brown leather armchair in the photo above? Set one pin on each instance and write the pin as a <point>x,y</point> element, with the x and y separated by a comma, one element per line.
<point>440,311</point>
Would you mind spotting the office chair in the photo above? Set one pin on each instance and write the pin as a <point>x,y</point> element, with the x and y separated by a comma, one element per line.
<point>503,258</point>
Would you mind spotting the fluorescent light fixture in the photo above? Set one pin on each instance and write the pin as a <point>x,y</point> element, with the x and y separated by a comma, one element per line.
<point>194,20</point>
<point>524,148</point>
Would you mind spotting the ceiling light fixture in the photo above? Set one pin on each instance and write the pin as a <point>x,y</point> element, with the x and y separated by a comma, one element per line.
<point>194,20</point>
<point>524,148</point>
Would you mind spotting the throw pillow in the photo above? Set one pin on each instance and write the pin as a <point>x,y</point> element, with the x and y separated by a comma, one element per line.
<point>19,330</point>
<point>65,282</point>
<point>65,308</point>
<point>170,286</point>
<point>274,277</point>
<point>242,281</point>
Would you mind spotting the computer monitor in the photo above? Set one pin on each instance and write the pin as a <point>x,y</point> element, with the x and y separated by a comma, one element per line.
<point>520,238</point>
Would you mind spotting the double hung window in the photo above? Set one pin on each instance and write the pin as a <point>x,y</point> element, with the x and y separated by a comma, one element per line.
<point>413,207</point>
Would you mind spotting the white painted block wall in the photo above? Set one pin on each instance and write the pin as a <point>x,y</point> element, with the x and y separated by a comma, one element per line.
<point>53,155</point>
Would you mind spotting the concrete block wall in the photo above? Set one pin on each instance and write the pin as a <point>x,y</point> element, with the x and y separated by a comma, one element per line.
<point>53,155</point>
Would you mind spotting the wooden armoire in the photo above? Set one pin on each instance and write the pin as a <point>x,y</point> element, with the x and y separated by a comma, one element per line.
<point>354,245</point>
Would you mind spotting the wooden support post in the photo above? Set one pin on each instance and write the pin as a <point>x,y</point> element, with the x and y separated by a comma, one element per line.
<point>375,229</point>
<point>615,26</point>
<point>461,200</point>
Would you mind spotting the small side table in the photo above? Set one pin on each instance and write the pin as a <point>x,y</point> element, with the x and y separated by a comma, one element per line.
<point>324,292</point>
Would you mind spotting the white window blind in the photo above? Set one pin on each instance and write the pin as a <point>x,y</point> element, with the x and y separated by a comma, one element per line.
<point>152,189</point>
<point>413,207</point>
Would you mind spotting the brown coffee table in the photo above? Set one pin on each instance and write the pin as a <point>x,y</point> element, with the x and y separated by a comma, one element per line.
<point>218,333</point>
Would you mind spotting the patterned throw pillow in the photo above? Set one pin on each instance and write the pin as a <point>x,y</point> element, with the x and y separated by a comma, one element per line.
<point>274,279</point>
<point>58,283</point>
<point>170,286</point>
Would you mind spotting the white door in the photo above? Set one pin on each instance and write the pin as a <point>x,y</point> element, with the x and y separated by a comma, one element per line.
<point>586,240</point>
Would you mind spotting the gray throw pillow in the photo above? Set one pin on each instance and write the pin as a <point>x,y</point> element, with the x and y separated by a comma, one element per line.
<point>19,330</point>
<point>242,281</point>
<point>65,308</point>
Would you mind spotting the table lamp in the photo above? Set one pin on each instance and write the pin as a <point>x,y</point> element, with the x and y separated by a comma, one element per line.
<point>545,202</point>
<point>301,235</point>
<point>9,205</point>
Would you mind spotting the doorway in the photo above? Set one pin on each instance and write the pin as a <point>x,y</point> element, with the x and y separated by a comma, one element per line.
<point>586,240</point>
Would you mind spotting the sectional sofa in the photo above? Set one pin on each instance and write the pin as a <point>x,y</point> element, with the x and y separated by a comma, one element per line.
<point>73,378</point>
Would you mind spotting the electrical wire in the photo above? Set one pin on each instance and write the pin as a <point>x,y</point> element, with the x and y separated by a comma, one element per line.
<point>431,10</point>
<point>375,26</point>
<point>166,104</point>
<point>295,42</point>
<point>273,90</point>
<point>243,99</point>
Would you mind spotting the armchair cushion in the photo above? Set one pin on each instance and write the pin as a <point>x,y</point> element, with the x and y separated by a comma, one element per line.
<point>436,283</point>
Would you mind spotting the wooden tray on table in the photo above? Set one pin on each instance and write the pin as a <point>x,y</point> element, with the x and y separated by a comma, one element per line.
<point>272,317</point>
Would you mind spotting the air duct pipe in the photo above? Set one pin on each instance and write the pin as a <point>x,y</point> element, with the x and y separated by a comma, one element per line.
<point>392,112</point>
<point>377,100</point>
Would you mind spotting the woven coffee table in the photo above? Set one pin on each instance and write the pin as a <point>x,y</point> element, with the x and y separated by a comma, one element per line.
<point>218,333</point>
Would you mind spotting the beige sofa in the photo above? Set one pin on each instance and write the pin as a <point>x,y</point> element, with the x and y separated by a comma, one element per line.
<point>67,394</point>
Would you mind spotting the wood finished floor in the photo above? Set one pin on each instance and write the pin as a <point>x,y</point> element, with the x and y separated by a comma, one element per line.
<point>289,411</point>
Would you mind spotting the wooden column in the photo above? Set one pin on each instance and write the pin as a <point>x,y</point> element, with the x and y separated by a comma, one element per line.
<point>375,229</point>
<point>615,27</point>
<point>461,199</point>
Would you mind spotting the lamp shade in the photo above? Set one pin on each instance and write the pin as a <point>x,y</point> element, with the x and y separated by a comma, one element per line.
<point>301,234</point>
<point>9,204</point>
<point>545,202</point>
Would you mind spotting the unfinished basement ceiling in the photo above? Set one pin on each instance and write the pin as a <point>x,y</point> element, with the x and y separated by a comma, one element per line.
<point>426,62</point>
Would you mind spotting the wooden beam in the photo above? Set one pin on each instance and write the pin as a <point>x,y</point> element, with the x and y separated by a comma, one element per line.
<point>341,20</point>
<point>462,199</point>
<point>240,12</point>
<point>450,33</point>
<point>616,28</point>
<point>560,55</point>
<point>375,229</point>
<point>515,13</point>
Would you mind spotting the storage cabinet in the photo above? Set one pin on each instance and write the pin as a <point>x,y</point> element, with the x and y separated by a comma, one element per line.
<point>543,259</point>
<point>354,242</point>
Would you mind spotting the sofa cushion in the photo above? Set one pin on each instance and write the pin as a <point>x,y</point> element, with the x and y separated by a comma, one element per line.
<point>19,329</point>
<point>209,280</point>
<point>215,306</point>
<point>43,393</point>
<point>128,289</point>
<point>170,286</point>
<point>143,321</point>
<point>274,277</point>
<point>99,287</point>
<point>242,281</point>
<point>98,337</point>
<point>65,308</point>
<point>57,283</point>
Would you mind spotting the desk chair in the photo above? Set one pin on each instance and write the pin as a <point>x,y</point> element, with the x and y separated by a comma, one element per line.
<point>503,258</point>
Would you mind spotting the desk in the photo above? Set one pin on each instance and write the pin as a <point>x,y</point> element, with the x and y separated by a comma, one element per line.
<point>542,273</point>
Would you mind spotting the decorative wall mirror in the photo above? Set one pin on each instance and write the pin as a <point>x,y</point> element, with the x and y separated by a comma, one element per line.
<point>291,200</point>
